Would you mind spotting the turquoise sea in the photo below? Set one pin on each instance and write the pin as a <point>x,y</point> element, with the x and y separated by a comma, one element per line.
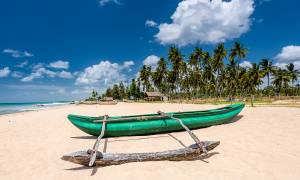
<point>8,108</point>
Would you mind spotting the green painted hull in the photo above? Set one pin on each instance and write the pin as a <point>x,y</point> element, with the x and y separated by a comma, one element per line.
<point>192,119</point>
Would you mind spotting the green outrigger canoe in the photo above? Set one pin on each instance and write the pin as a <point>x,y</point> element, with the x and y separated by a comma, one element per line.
<point>154,123</point>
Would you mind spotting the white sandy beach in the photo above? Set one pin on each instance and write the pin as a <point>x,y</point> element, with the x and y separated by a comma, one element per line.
<point>262,143</point>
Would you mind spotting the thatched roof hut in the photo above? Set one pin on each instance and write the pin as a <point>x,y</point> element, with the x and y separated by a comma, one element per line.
<point>154,96</point>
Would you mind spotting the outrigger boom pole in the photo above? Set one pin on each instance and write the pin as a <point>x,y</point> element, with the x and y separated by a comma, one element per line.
<point>161,115</point>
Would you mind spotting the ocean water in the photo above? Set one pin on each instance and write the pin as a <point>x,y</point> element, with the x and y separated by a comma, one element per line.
<point>8,108</point>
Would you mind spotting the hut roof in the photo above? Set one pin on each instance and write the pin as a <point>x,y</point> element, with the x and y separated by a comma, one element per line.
<point>154,94</point>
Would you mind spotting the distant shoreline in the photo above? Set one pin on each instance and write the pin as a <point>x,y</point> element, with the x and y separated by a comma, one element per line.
<point>13,108</point>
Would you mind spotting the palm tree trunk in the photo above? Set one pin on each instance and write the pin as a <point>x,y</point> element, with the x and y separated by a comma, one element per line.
<point>252,100</point>
<point>268,75</point>
<point>217,83</point>
<point>230,96</point>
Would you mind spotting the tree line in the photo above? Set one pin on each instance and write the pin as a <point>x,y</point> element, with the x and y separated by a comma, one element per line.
<point>210,75</point>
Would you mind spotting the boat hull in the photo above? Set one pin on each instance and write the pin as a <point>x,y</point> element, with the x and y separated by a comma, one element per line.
<point>192,119</point>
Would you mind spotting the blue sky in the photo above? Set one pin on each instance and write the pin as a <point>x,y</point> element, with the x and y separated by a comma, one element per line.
<point>60,50</point>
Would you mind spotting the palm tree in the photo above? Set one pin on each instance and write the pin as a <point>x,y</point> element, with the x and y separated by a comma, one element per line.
<point>108,92</point>
<point>281,79</point>
<point>193,59</point>
<point>208,74</point>
<point>94,95</point>
<point>184,78</point>
<point>206,59</point>
<point>297,89</point>
<point>294,73</point>
<point>254,80</point>
<point>145,74</point>
<point>149,72</point>
<point>211,88</point>
<point>219,54</point>
<point>133,89</point>
<point>200,56</point>
<point>122,90</point>
<point>116,92</point>
<point>176,59</point>
<point>171,81</point>
<point>195,63</point>
<point>159,76</point>
<point>242,81</point>
<point>267,68</point>
<point>230,82</point>
<point>238,51</point>
<point>205,75</point>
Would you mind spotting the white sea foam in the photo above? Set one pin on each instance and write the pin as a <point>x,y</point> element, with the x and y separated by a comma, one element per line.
<point>8,108</point>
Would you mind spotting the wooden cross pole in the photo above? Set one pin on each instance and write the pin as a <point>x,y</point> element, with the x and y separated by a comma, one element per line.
<point>96,145</point>
<point>193,136</point>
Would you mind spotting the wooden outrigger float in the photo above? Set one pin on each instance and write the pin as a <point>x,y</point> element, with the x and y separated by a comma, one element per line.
<point>106,159</point>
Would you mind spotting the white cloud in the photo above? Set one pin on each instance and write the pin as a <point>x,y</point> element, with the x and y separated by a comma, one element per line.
<point>17,54</point>
<point>65,75</point>
<point>42,72</point>
<point>283,65</point>
<point>150,23</point>
<point>37,66</point>
<point>59,64</point>
<point>265,82</point>
<point>105,73</point>
<point>16,74</point>
<point>151,61</point>
<point>47,72</point>
<point>39,73</point>
<point>297,65</point>
<point>127,64</point>
<point>4,72</point>
<point>288,54</point>
<point>246,64</point>
<point>30,77</point>
<point>104,2</point>
<point>206,22</point>
<point>22,64</point>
